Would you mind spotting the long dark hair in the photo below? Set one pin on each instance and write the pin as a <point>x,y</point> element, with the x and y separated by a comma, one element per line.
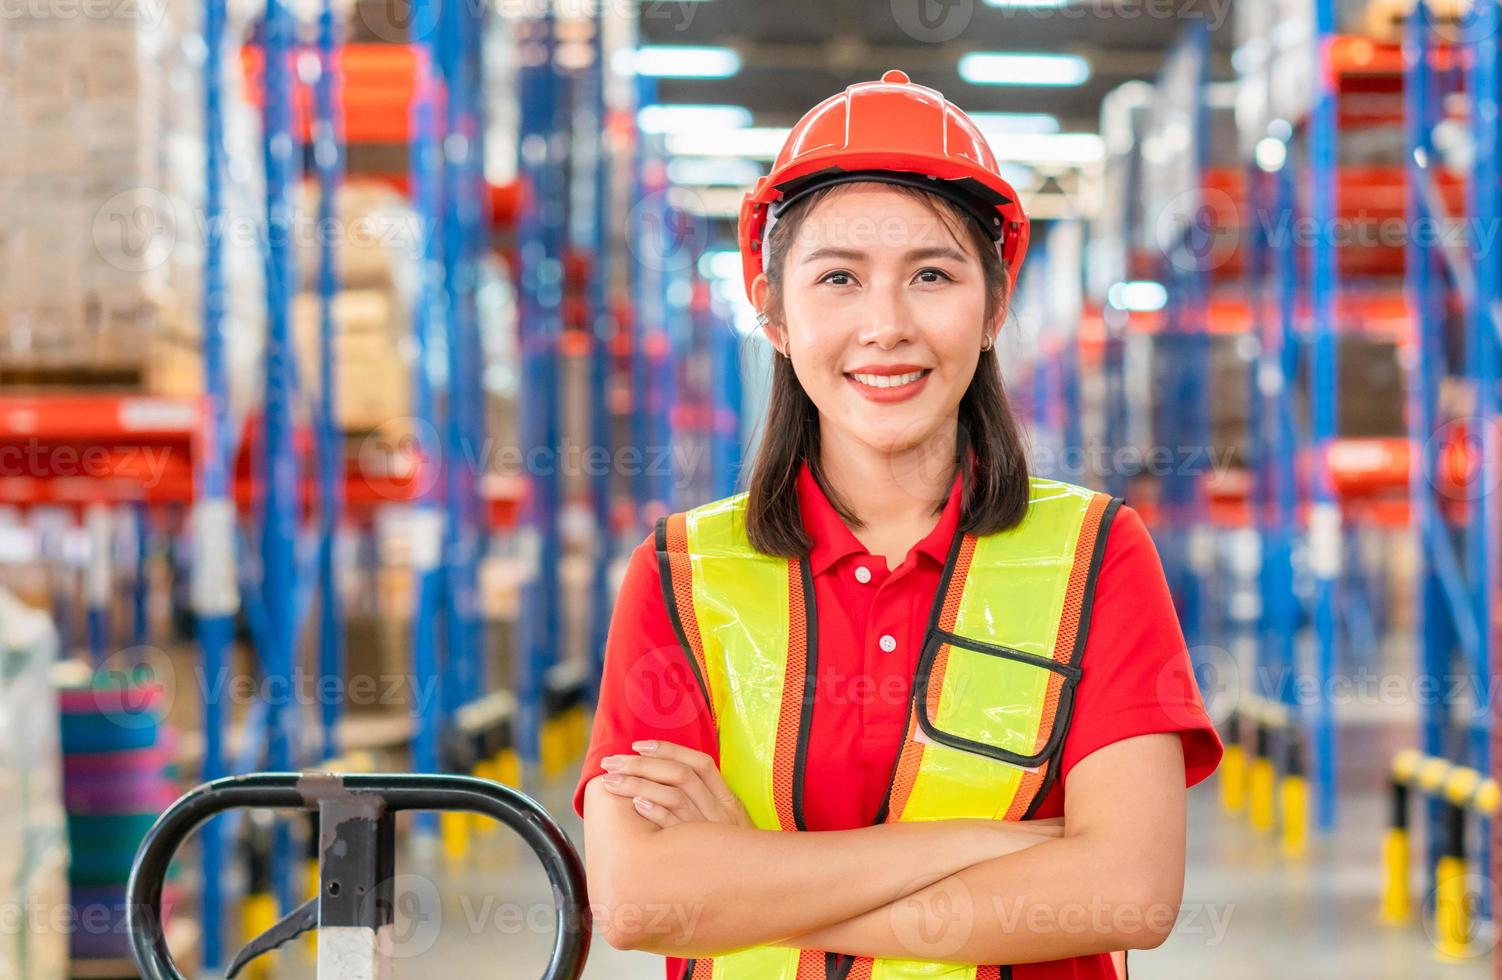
<point>996,474</point>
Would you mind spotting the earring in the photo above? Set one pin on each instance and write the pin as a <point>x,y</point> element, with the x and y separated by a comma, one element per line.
<point>761,319</point>
<point>987,344</point>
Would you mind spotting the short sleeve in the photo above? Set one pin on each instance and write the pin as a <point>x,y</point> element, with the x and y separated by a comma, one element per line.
<point>1137,675</point>
<point>648,688</point>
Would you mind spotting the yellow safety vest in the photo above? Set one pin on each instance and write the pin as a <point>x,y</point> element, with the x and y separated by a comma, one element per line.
<point>991,695</point>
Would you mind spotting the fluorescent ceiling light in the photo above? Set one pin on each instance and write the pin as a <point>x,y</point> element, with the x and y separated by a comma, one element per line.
<point>1073,149</point>
<point>713,171</point>
<point>756,142</point>
<point>1015,122</point>
<point>677,61</point>
<point>690,118</point>
<point>997,68</point>
<point>1143,296</point>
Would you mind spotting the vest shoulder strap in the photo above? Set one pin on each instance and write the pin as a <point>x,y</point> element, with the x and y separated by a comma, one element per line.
<point>717,528</point>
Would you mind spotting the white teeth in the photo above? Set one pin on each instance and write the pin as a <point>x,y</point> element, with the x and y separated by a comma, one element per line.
<point>888,380</point>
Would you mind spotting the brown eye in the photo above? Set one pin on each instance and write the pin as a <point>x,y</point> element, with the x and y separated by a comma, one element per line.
<point>830,276</point>
<point>934,272</point>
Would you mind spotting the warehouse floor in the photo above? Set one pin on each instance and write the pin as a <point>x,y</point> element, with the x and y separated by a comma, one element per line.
<point>1248,912</point>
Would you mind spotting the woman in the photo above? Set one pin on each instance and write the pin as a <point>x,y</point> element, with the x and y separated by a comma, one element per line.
<point>967,687</point>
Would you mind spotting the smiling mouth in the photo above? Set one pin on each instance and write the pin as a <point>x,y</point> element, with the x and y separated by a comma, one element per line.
<point>888,380</point>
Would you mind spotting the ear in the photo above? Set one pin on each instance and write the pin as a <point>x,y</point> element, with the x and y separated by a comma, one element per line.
<point>760,289</point>
<point>992,327</point>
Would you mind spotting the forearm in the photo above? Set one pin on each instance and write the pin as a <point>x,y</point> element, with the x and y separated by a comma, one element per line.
<point>1068,897</point>
<point>730,887</point>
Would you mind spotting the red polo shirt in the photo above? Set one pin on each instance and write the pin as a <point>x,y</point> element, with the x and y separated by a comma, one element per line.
<point>1137,678</point>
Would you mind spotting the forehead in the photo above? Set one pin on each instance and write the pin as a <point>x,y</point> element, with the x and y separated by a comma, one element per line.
<point>872,217</point>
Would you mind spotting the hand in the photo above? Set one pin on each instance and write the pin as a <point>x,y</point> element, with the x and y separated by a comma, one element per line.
<point>671,784</point>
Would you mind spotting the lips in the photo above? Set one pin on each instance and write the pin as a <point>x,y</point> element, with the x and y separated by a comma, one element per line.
<point>888,386</point>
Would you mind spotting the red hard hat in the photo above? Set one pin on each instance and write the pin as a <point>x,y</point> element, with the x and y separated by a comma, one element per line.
<point>891,131</point>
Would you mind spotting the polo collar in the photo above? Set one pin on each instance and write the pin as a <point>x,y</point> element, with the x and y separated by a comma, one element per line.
<point>832,540</point>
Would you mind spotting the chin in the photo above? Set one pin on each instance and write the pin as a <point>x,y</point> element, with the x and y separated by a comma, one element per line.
<point>895,437</point>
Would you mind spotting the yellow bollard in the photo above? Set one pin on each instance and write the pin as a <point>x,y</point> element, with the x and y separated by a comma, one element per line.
<point>574,729</point>
<point>1452,906</point>
<point>1397,907</point>
<point>257,914</point>
<point>1233,779</point>
<point>508,768</point>
<point>310,888</point>
<point>483,825</point>
<point>550,749</point>
<point>1451,910</point>
<point>1397,901</point>
<point>1295,815</point>
<point>454,828</point>
<point>1261,785</point>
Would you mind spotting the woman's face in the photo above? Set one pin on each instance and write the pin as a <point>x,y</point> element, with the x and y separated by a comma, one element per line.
<point>883,308</point>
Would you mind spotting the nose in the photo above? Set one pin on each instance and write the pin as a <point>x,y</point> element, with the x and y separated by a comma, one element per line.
<point>887,318</point>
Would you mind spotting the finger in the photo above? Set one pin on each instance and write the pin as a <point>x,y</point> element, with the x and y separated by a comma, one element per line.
<point>671,772</point>
<point>700,763</point>
<point>670,798</point>
<point>660,816</point>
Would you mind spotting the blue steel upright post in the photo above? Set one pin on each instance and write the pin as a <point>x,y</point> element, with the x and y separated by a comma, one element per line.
<point>458,205</point>
<point>540,296</point>
<point>1324,546</point>
<point>1434,624</point>
<point>279,514</point>
<point>601,325</point>
<point>1482,23</point>
<point>327,159</point>
<point>427,516</point>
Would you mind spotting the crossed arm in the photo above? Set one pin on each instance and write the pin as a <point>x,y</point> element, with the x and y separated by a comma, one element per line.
<point>688,876</point>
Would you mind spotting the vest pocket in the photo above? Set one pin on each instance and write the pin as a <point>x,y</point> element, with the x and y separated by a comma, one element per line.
<point>999,702</point>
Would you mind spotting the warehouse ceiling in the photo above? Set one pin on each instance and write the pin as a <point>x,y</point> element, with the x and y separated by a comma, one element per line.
<point>795,52</point>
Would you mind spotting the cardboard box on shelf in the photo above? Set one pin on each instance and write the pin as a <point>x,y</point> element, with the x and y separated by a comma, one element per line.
<point>374,234</point>
<point>1383,20</point>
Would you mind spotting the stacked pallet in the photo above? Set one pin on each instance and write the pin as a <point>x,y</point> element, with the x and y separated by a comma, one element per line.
<point>101,179</point>
<point>375,239</point>
<point>33,845</point>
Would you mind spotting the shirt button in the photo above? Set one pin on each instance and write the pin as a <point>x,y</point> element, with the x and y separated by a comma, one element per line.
<point>862,574</point>
<point>888,642</point>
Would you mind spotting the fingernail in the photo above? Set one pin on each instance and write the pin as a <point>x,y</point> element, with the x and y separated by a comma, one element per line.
<point>612,779</point>
<point>612,763</point>
<point>650,745</point>
<point>641,803</point>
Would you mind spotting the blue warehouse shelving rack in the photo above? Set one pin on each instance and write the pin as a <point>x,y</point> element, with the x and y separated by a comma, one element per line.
<point>1453,284</point>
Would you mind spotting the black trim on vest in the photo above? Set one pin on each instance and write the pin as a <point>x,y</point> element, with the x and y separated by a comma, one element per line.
<point>837,965</point>
<point>1005,653</point>
<point>810,686</point>
<point>1097,556</point>
<point>665,579</point>
<point>935,640</point>
<point>950,561</point>
<point>688,969</point>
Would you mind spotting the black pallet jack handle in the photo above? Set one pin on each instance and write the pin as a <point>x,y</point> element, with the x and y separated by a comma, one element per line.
<point>356,859</point>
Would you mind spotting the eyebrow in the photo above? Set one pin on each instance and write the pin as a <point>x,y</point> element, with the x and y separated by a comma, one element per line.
<point>916,255</point>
